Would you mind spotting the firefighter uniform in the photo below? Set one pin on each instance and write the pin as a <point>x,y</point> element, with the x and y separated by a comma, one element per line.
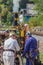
<point>30,50</point>
<point>22,37</point>
<point>22,33</point>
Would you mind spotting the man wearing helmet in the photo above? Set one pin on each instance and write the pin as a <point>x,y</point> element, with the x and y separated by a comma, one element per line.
<point>10,46</point>
<point>30,49</point>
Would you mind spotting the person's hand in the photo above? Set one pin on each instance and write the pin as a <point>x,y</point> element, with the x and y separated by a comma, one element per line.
<point>30,57</point>
<point>15,55</point>
<point>21,55</point>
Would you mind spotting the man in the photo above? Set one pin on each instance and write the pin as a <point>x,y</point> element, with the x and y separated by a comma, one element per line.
<point>22,37</point>
<point>30,49</point>
<point>10,46</point>
<point>15,19</point>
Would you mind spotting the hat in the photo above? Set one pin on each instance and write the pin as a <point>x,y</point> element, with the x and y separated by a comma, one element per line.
<point>28,33</point>
<point>12,33</point>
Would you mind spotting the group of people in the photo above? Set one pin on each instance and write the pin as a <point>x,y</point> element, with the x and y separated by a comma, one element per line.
<point>11,46</point>
<point>17,18</point>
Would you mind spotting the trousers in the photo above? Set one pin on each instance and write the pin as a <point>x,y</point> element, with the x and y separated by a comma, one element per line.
<point>8,59</point>
<point>29,61</point>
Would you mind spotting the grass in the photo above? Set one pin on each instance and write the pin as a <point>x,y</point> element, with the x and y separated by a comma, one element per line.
<point>41,56</point>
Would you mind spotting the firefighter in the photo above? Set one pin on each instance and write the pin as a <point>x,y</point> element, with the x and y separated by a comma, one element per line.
<point>22,37</point>
<point>10,46</point>
<point>30,49</point>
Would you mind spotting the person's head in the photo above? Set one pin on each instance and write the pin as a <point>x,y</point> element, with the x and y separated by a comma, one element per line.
<point>13,35</point>
<point>7,33</point>
<point>21,12</point>
<point>25,26</point>
<point>28,34</point>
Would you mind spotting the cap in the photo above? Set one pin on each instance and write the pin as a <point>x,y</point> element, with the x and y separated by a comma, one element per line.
<point>28,33</point>
<point>12,33</point>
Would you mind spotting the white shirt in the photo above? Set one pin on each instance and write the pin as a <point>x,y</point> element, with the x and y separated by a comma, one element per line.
<point>11,44</point>
<point>21,18</point>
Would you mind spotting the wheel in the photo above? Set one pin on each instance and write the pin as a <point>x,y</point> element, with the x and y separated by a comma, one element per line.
<point>18,60</point>
<point>1,63</point>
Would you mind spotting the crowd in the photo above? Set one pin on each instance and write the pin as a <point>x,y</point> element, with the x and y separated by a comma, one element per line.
<point>11,47</point>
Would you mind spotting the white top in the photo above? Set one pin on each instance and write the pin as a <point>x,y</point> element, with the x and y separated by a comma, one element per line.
<point>21,18</point>
<point>11,44</point>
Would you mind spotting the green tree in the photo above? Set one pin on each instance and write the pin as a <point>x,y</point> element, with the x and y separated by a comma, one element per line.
<point>39,5</point>
<point>37,20</point>
<point>5,8</point>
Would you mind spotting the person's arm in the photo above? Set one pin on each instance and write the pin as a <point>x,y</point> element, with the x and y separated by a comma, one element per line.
<point>1,47</point>
<point>26,48</point>
<point>17,46</point>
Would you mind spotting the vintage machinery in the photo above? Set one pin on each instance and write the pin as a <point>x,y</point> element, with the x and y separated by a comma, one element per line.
<point>15,19</point>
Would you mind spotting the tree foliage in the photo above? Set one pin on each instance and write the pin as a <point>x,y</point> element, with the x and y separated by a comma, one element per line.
<point>39,5</point>
<point>37,20</point>
<point>6,10</point>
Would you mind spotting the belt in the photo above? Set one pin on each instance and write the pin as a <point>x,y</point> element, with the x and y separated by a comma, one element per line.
<point>9,50</point>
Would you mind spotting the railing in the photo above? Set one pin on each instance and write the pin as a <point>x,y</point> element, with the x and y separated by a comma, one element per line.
<point>9,28</point>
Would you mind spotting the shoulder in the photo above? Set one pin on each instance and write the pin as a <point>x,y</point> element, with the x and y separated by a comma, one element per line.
<point>33,39</point>
<point>9,39</point>
<point>28,40</point>
<point>6,40</point>
<point>14,40</point>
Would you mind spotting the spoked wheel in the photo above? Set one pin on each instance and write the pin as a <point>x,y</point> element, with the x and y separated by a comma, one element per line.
<point>1,63</point>
<point>18,60</point>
